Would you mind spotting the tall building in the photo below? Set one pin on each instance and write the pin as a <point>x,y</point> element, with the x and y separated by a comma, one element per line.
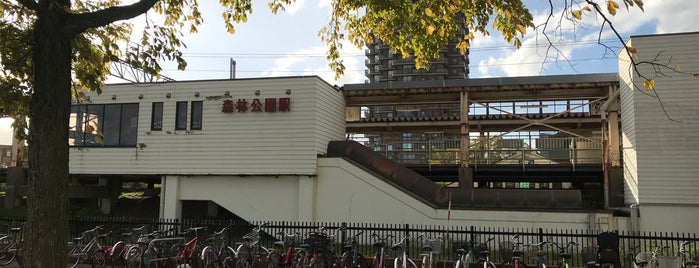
<point>383,65</point>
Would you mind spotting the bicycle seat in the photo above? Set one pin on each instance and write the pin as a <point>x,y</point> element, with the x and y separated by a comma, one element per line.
<point>485,253</point>
<point>461,251</point>
<point>565,255</point>
<point>541,253</point>
<point>280,244</point>
<point>427,248</point>
<point>517,253</point>
<point>378,244</point>
<point>17,229</point>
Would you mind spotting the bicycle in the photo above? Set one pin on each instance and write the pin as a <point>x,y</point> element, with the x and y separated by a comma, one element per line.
<point>188,253</point>
<point>540,254</point>
<point>117,253</point>
<point>250,252</point>
<point>564,253</point>
<point>682,252</point>
<point>319,247</point>
<point>484,256</point>
<point>10,248</point>
<point>351,257</point>
<point>430,248</point>
<point>379,258</point>
<point>285,253</point>
<point>403,261</point>
<point>224,256</point>
<point>511,252</point>
<point>136,254</point>
<point>77,252</point>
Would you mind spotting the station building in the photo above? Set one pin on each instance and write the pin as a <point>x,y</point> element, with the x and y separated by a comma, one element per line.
<point>585,151</point>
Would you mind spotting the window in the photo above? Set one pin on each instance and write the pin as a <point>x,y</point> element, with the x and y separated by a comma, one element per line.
<point>103,125</point>
<point>197,107</point>
<point>156,119</point>
<point>181,115</point>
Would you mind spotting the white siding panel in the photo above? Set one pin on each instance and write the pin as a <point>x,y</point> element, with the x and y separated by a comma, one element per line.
<point>665,128</point>
<point>252,143</point>
<point>628,129</point>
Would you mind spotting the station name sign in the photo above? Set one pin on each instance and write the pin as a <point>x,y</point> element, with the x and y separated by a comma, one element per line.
<point>270,105</point>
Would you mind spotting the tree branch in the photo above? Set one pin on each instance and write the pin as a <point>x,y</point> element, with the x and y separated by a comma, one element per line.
<point>77,23</point>
<point>30,4</point>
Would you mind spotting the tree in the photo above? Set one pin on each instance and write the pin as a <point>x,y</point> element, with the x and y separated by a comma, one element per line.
<point>54,49</point>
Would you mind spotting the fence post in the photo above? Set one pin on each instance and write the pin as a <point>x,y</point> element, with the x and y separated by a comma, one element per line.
<point>343,234</point>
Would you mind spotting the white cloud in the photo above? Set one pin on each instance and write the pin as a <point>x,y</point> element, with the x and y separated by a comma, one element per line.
<point>294,7</point>
<point>312,62</point>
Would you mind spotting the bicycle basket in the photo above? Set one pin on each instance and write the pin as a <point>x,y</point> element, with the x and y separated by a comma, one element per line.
<point>434,245</point>
<point>317,239</point>
<point>589,254</point>
<point>251,238</point>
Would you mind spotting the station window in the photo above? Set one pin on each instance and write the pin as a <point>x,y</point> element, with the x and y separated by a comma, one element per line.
<point>197,107</point>
<point>156,120</point>
<point>103,125</point>
<point>181,115</point>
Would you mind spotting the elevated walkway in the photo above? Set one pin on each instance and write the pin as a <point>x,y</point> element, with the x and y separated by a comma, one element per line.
<point>437,196</point>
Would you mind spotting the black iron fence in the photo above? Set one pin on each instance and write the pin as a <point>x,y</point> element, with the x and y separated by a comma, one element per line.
<point>453,237</point>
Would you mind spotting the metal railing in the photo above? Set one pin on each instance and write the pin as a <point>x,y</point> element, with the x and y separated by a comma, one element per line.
<point>544,151</point>
<point>630,243</point>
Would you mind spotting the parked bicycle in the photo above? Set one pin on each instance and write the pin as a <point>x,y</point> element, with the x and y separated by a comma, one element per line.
<point>540,253</point>
<point>139,255</point>
<point>564,253</point>
<point>224,256</point>
<point>379,258</point>
<point>286,254</point>
<point>403,261</point>
<point>117,253</point>
<point>512,253</point>
<point>79,251</point>
<point>11,248</point>
<point>249,253</point>
<point>685,257</point>
<point>431,246</point>
<point>484,261</point>
<point>189,253</point>
<point>319,249</point>
<point>351,257</point>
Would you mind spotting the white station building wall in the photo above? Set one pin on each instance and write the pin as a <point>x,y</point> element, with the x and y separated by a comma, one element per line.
<point>241,143</point>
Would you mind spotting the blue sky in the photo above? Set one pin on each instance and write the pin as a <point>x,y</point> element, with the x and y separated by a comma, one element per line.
<point>287,44</point>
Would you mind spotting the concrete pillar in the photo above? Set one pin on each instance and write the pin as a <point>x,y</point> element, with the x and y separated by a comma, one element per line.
<point>465,140</point>
<point>465,178</point>
<point>307,198</point>
<point>105,203</point>
<point>15,187</point>
<point>211,209</point>
<point>170,203</point>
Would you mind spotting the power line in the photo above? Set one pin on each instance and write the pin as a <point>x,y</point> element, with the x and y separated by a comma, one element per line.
<point>278,55</point>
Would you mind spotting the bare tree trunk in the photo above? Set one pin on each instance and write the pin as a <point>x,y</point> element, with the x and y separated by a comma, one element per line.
<point>47,223</point>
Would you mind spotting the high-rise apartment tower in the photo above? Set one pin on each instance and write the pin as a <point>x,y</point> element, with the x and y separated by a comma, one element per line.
<point>385,66</point>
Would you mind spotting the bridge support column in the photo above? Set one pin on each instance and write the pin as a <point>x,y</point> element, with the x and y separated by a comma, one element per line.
<point>105,203</point>
<point>170,204</point>
<point>465,178</point>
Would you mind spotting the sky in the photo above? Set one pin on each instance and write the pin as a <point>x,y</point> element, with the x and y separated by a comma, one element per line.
<point>287,44</point>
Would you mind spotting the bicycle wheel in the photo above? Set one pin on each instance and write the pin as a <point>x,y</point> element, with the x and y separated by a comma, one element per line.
<point>194,257</point>
<point>133,257</point>
<point>209,258</point>
<point>98,259</point>
<point>73,252</point>
<point>7,253</point>
<point>274,260</point>
<point>346,260</point>
<point>398,263</point>
<point>118,254</point>
<point>175,256</point>
<point>227,258</point>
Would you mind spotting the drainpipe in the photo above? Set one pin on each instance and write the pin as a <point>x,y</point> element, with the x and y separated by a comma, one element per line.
<point>634,217</point>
